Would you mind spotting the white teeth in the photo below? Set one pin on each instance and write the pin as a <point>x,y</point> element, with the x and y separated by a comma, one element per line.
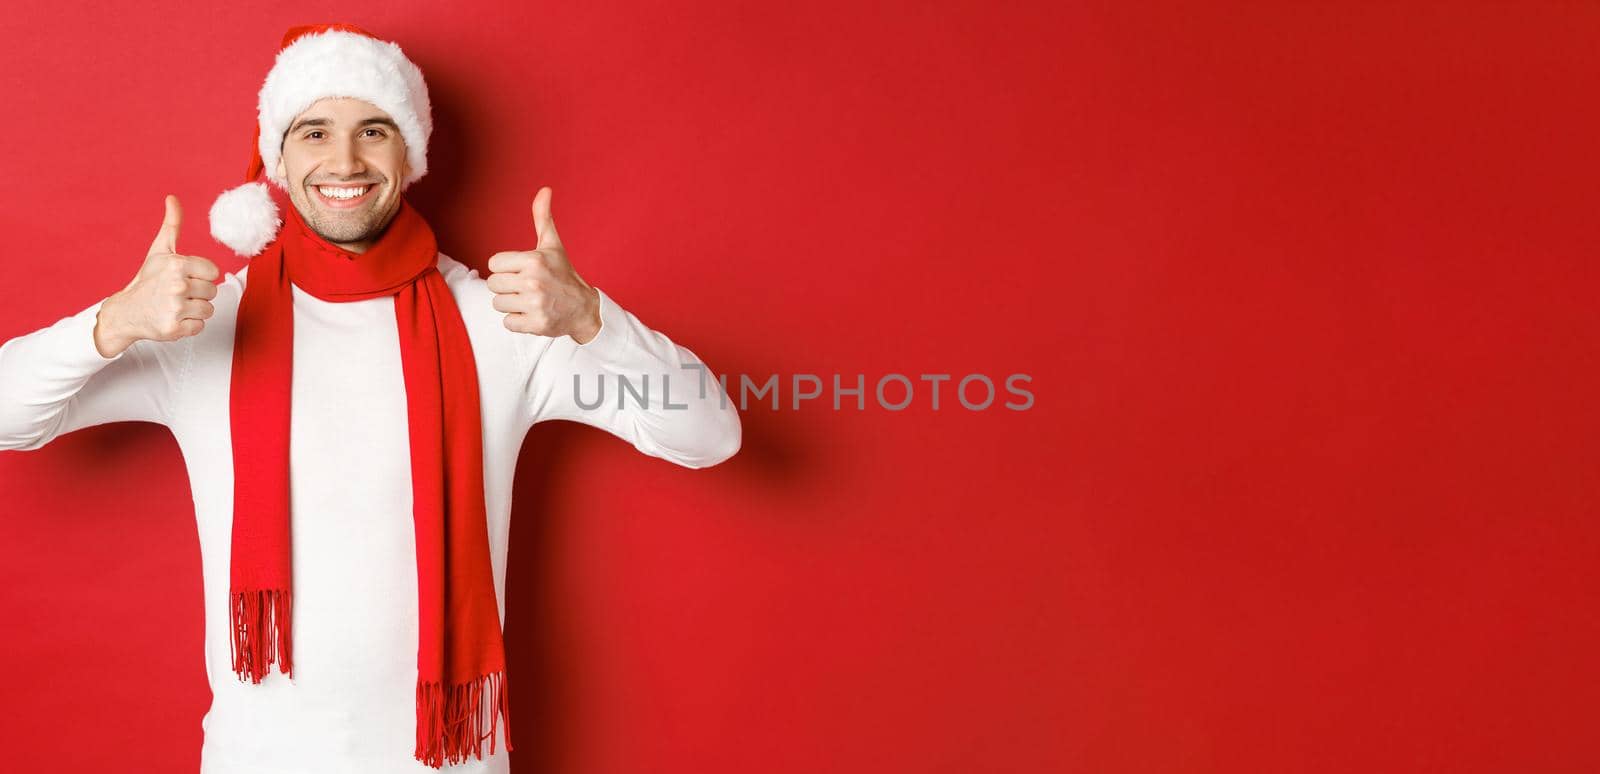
<point>342,193</point>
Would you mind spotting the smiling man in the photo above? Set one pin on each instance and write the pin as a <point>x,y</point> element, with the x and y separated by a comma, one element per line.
<point>350,414</point>
<point>346,157</point>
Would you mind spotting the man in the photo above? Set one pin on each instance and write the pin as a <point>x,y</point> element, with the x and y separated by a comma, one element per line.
<point>350,416</point>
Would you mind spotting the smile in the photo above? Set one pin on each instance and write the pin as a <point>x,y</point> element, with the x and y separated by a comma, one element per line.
<point>344,196</point>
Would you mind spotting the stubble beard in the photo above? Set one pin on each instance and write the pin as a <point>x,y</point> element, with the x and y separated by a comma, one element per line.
<point>364,223</point>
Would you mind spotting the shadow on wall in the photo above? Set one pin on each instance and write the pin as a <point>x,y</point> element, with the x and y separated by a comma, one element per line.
<point>452,166</point>
<point>542,641</point>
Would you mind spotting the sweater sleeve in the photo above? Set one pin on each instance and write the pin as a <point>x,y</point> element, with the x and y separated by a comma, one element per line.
<point>54,381</point>
<point>636,384</point>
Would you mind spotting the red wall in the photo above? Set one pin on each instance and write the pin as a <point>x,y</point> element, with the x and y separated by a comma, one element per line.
<point>1306,293</point>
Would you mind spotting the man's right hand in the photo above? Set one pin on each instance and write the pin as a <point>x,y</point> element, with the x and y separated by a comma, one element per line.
<point>167,300</point>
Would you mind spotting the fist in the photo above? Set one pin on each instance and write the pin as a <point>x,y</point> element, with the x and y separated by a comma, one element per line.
<point>538,289</point>
<point>168,299</point>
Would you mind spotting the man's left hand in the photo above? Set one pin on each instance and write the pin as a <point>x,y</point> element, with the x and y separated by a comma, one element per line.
<point>538,289</point>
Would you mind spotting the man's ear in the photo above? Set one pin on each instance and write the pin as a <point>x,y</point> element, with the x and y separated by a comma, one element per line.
<point>282,173</point>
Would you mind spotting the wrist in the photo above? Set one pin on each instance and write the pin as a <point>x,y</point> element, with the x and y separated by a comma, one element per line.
<point>590,327</point>
<point>108,339</point>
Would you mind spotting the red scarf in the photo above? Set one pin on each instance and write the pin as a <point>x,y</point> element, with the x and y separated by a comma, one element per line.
<point>460,657</point>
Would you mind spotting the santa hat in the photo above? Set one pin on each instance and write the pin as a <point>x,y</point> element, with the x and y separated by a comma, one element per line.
<point>317,61</point>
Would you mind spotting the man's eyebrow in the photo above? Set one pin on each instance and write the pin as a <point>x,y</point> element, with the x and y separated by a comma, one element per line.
<point>304,122</point>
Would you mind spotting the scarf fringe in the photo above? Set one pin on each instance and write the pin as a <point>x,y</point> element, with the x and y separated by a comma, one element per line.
<point>450,719</point>
<point>260,620</point>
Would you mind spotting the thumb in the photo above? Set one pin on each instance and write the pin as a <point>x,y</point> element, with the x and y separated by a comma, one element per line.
<point>166,240</point>
<point>543,224</point>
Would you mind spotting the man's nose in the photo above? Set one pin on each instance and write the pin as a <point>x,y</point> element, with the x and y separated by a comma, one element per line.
<point>345,159</point>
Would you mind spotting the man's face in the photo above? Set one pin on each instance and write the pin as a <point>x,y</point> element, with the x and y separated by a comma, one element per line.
<point>343,160</point>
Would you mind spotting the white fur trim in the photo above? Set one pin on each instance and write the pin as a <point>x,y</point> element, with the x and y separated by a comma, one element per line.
<point>245,218</point>
<point>335,63</point>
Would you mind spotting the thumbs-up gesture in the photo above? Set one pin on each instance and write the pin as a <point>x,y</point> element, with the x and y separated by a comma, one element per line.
<point>167,300</point>
<point>538,289</point>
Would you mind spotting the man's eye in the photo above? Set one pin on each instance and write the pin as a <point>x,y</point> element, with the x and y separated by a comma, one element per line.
<point>317,134</point>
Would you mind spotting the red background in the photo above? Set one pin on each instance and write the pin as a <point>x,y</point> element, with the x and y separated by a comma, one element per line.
<point>1306,292</point>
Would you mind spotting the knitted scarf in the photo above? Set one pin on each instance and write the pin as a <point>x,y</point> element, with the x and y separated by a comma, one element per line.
<point>460,656</point>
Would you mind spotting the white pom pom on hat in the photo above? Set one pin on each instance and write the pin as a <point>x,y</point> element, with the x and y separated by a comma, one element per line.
<point>313,62</point>
<point>245,218</point>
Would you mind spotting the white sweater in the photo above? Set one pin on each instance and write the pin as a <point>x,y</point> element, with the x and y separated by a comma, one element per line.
<point>350,707</point>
